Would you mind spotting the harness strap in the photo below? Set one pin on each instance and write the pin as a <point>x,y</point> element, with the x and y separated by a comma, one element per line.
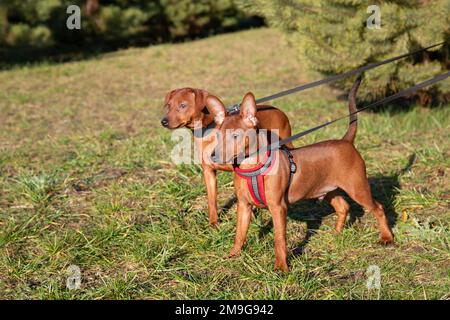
<point>292,165</point>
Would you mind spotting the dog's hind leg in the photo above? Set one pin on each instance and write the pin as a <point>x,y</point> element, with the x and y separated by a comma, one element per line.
<point>359,190</point>
<point>340,206</point>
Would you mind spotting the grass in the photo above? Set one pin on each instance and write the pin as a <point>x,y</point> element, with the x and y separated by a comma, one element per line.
<point>85,179</point>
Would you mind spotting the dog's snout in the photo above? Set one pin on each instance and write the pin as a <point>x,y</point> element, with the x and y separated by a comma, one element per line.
<point>164,122</point>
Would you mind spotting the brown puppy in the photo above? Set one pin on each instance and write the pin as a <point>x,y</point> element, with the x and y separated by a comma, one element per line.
<point>186,107</point>
<point>322,168</point>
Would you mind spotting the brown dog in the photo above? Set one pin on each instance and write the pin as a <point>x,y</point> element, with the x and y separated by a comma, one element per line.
<point>322,168</point>
<point>186,107</point>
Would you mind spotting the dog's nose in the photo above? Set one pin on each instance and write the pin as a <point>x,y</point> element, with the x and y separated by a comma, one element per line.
<point>164,122</point>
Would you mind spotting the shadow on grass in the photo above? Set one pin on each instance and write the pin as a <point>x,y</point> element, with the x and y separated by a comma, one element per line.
<point>384,189</point>
<point>15,57</point>
<point>228,205</point>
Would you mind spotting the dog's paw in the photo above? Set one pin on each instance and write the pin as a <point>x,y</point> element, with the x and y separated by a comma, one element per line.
<point>281,267</point>
<point>234,253</point>
<point>214,224</point>
<point>387,240</point>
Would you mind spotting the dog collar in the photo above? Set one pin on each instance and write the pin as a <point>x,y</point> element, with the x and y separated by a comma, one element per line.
<point>204,131</point>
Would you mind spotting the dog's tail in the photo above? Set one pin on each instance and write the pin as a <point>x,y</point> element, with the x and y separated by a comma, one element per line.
<point>351,131</point>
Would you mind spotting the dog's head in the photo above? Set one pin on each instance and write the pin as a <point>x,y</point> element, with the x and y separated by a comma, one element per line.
<point>233,131</point>
<point>183,107</point>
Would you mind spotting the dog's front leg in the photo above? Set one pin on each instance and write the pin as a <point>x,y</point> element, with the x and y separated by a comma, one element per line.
<point>279,212</point>
<point>244,217</point>
<point>211,188</point>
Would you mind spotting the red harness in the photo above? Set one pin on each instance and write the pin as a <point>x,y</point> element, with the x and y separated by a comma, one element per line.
<point>255,176</point>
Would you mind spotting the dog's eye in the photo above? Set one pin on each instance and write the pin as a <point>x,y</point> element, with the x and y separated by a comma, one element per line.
<point>183,105</point>
<point>235,135</point>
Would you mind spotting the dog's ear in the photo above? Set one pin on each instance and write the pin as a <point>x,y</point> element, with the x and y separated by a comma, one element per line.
<point>248,110</point>
<point>169,95</point>
<point>216,108</point>
<point>200,98</point>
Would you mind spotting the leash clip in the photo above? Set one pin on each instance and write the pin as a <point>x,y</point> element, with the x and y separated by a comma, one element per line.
<point>234,109</point>
<point>293,167</point>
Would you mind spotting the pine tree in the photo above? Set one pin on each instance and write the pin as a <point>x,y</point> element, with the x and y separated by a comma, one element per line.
<point>332,36</point>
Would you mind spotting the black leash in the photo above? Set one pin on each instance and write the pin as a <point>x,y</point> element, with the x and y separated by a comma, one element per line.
<point>235,107</point>
<point>383,101</point>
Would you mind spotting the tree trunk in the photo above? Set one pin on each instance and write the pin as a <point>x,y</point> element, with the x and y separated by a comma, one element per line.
<point>3,21</point>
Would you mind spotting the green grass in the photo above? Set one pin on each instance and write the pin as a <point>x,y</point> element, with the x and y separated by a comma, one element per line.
<point>85,179</point>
